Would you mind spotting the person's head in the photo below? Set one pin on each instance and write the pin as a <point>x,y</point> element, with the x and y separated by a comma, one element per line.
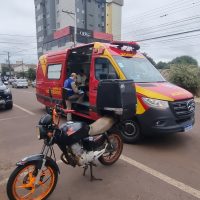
<point>73,76</point>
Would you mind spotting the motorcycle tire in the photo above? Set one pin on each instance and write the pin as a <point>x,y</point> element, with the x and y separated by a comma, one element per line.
<point>26,186</point>
<point>113,150</point>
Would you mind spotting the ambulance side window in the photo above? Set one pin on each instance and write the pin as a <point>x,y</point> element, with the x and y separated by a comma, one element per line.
<point>104,69</point>
<point>54,71</point>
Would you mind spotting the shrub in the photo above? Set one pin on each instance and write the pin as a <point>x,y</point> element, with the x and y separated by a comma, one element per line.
<point>186,76</point>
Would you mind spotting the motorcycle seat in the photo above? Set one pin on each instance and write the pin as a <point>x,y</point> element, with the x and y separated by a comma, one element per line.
<point>101,125</point>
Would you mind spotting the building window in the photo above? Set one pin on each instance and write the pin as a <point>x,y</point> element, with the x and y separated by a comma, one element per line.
<point>40,39</point>
<point>91,25</point>
<point>83,11</point>
<point>78,20</point>
<point>54,71</point>
<point>40,49</point>
<point>39,17</point>
<point>58,13</point>
<point>58,25</point>
<point>77,10</point>
<point>39,28</point>
<point>38,7</point>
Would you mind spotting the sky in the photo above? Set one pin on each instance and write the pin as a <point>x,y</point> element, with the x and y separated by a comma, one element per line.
<point>141,20</point>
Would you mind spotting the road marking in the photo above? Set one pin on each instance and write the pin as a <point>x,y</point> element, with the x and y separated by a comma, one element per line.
<point>163,177</point>
<point>13,118</point>
<point>25,110</point>
<point>29,92</point>
<point>185,188</point>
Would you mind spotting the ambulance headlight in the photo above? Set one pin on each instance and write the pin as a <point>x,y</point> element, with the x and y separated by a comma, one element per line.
<point>155,103</point>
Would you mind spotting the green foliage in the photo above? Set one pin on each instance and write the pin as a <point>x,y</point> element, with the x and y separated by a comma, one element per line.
<point>31,74</point>
<point>162,65</point>
<point>184,60</point>
<point>5,70</point>
<point>185,76</point>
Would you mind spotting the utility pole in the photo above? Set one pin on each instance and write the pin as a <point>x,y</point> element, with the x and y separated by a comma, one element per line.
<point>9,63</point>
<point>75,25</point>
<point>23,68</point>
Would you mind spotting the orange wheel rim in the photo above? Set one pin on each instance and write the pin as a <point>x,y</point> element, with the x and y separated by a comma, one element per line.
<point>117,143</point>
<point>23,187</point>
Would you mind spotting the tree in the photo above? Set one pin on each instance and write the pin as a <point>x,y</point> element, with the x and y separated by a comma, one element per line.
<point>184,60</point>
<point>5,70</point>
<point>31,74</point>
<point>162,65</point>
<point>186,77</point>
<point>150,59</point>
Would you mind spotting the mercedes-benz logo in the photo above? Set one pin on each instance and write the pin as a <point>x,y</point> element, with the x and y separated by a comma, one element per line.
<point>191,105</point>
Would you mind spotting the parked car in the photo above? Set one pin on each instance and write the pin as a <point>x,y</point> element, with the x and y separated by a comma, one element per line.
<point>5,82</point>
<point>5,96</point>
<point>11,80</point>
<point>33,83</point>
<point>20,83</point>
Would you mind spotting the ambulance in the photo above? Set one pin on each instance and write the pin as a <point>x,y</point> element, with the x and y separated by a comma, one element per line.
<point>162,107</point>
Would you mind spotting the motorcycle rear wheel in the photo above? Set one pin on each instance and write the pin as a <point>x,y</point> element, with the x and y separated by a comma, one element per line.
<point>113,150</point>
<point>21,182</point>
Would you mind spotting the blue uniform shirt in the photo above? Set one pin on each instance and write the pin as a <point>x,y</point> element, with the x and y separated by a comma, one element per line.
<point>68,85</point>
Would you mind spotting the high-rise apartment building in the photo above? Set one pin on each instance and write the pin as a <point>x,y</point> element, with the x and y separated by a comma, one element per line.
<point>96,20</point>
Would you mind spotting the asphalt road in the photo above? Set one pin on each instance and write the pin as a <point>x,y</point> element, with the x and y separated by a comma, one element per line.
<point>158,168</point>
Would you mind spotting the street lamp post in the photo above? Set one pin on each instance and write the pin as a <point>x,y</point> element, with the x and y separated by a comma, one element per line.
<point>75,25</point>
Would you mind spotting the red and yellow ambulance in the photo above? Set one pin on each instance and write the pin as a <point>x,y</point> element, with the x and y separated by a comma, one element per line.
<point>161,106</point>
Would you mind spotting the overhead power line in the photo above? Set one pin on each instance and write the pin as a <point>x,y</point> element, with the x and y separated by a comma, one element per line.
<point>17,35</point>
<point>158,9</point>
<point>164,25</point>
<point>170,35</point>
<point>164,12</point>
<point>1,42</point>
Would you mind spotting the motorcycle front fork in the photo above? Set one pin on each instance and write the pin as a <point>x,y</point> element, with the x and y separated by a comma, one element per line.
<point>45,151</point>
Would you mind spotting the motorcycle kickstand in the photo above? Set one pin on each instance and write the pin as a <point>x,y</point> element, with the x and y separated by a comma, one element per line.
<point>85,169</point>
<point>92,177</point>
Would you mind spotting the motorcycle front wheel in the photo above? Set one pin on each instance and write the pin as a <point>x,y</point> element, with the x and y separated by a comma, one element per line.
<point>113,150</point>
<point>21,184</point>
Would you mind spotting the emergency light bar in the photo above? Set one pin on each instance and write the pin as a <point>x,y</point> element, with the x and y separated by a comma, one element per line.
<point>122,44</point>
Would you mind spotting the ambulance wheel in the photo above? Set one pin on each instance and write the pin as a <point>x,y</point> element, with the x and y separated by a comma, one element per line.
<point>130,131</point>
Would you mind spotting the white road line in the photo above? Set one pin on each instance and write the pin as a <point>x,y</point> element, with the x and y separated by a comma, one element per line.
<point>25,110</point>
<point>12,118</point>
<point>29,92</point>
<point>163,177</point>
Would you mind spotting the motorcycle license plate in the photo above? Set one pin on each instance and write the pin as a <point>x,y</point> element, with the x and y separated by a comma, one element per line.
<point>188,128</point>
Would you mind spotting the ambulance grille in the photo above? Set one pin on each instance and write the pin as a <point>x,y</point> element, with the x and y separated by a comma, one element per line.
<point>183,108</point>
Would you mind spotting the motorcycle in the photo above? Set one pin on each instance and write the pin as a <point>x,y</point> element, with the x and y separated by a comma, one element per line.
<point>81,145</point>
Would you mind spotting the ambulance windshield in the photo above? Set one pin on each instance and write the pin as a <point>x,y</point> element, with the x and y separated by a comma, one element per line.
<point>138,69</point>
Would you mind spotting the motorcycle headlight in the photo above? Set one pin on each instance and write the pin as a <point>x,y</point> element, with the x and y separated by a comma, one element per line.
<point>7,91</point>
<point>41,132</point>
<point>155,103</point>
